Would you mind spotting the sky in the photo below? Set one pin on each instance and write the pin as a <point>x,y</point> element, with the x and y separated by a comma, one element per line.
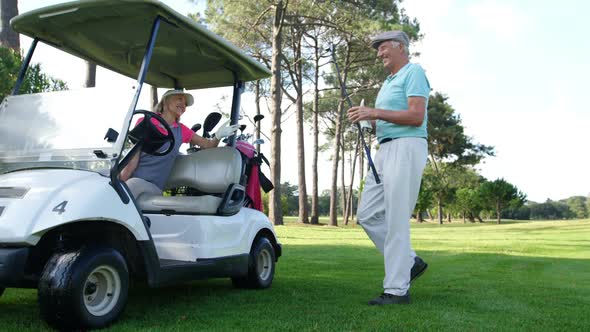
<point>516,72</point>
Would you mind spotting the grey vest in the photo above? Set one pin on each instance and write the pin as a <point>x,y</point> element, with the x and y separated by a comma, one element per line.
<point>156,169</point>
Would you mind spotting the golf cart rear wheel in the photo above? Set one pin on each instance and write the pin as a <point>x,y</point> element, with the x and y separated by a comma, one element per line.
<point>83,289</point>
<point>261,266</point>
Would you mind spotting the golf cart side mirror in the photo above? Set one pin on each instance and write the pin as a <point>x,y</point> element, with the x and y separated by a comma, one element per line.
<point>196,127</point>
<point>210,122</point>
<point>111,135</point>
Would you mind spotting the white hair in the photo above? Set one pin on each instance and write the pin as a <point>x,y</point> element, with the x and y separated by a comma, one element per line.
<point>395,43</point>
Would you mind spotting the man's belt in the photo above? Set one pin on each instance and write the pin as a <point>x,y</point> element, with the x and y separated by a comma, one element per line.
<point>389,139</point>
<point>385,140</point>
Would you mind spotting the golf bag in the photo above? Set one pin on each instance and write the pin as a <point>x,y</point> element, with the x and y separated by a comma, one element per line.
<point>254,178</point>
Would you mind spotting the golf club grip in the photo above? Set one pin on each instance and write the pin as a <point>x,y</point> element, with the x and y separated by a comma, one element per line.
<point>368,153</point>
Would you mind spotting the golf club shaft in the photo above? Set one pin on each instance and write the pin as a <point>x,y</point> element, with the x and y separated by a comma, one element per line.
<point>358,125</point>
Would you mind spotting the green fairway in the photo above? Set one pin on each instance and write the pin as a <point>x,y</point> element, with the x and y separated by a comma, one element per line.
<point>531,276</point>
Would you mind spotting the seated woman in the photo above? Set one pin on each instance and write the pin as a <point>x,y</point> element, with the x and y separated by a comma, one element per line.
<point>146,173</point>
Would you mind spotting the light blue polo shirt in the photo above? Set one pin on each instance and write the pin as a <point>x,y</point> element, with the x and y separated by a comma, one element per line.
<point>409,81</point>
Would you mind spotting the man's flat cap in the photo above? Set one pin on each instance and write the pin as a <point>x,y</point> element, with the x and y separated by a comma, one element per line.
<point>398,36</point>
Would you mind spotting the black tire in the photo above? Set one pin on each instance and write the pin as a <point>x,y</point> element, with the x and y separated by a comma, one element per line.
<point>261,266</point>
<point>1,291</point>
<point>83,289</point>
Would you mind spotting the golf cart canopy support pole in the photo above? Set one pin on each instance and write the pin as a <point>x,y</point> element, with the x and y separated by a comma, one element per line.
<point>235,106</point>
<point>115,182</point>
<point>24,67</point>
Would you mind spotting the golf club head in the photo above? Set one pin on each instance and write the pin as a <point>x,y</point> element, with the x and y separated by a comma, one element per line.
<point>242,127</point>
<point>258,141</point>
<point>258,117</point>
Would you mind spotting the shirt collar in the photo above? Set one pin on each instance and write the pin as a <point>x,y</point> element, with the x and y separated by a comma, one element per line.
<point>399,72</point>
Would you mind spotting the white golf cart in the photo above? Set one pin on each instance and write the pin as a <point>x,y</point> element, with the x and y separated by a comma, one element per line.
<point>68,226</point>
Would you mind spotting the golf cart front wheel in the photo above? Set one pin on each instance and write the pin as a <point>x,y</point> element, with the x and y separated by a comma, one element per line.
<point>261,266</point>
<point>83,289</point>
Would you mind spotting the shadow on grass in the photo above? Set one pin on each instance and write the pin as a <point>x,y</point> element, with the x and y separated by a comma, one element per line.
<point>325,288</point>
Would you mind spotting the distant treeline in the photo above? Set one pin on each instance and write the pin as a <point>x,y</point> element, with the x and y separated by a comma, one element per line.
<point>575,207</point>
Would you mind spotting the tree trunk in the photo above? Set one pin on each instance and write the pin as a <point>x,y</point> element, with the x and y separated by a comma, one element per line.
<point>343,161</point>
<point>362,164</point>
<point>314,164</point>
<point>464,220</point>
<point>8,37</point>
<point>274,207</point>
<point>336,155</point>
<point>90,81</point>
<point>303,217</point>
<point>361,156</point>
<point>498,211</point>
<point>430,216</point>
<point>419,216</point>
<point>440,210</point>
<point>153,97</point>
<point>349,200</point>
<point>335,162</point>
<point>257,96</point>
<point>449,217</point>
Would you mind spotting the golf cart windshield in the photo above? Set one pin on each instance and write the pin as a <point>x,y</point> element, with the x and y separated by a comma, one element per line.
<point>64,129</point>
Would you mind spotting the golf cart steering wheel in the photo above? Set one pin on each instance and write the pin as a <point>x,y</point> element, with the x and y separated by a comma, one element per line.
<point>149,135</point>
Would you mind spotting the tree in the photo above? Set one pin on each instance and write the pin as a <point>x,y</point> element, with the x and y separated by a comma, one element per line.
<point>578,206</point>
<point>275,92</point>
<point>337,143</point>
<point>11,59</point>
<point>500,194</point>
<point>295,68</point>
<point>8,37</point>
<point>35,80</point>
<point>314,36</point>
<point>425,198</point>
<point>521,213</point>
<point>257,27</point>
<point>448,146</point>
<point>467,200</point>
<point>462,178</point>
<point>550,210</point>
<point>153,97</point>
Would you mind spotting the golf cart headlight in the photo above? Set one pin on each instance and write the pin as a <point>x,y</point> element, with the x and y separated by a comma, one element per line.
<point>13,192</point>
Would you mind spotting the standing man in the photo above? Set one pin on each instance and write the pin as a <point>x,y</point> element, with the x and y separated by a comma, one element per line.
<point>400,119</point>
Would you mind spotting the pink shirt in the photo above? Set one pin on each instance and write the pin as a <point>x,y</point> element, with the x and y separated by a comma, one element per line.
<point>187,134</point>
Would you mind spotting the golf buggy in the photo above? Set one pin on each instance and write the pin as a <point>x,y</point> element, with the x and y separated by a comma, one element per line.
<point>68,225</point>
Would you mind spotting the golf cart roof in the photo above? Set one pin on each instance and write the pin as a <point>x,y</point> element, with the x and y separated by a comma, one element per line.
<point>114,34</point>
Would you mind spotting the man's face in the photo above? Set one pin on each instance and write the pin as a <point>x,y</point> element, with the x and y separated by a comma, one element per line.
<point>390,52</point>
<point>176,104</point>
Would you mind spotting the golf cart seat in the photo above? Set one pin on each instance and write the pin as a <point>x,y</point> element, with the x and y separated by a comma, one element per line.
<point>215,171</point>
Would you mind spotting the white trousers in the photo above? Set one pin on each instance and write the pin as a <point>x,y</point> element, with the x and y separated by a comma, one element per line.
<point>139,186</point>
<point>385,209</point>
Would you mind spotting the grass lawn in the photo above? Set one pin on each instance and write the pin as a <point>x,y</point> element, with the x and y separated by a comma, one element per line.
<point>531,276</point>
